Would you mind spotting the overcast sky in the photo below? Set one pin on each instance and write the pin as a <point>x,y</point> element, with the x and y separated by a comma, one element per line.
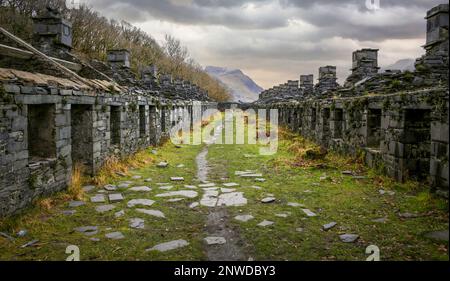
<point>276,40</point>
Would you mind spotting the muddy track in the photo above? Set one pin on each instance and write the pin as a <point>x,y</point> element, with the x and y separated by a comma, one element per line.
<point>217,223</point>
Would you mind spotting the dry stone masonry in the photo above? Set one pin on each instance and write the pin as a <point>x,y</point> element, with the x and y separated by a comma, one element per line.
<point>57,110</point>
<point>397,120</point>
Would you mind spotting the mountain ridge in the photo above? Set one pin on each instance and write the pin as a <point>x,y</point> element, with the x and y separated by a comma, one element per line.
<point>241,86</point>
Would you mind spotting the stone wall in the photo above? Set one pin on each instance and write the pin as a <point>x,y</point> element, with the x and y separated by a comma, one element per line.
<point>397,120</point>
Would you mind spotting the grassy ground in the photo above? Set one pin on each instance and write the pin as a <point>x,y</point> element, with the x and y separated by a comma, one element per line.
<point>290,177</point>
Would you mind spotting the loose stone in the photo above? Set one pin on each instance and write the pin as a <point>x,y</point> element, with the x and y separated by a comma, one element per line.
<point>265,223</point>
<point>74,204</point>
<point>119,214</point>
<point>211,184</point>
<point>148,180</point>
<point>244,218</point>
<point>140,202</point>
<point>154,213</point>
<point>251,175</point>
<point>162,164</point>
<point>438,235</point>
<point>136,177</point>
<point>110,187</point>
<point>227,190</point>
<point>348,238</point>
<point>294,204</point>
<point>99,198</point>
<point>260,180</point>
<point>168,246</point>
<point>87,230</point>
<point>299,229</point>
<point>124,185</point>
<point>104,208</point>
<point>194,205</point>
<point>268,200</point>
<point>140,189</point>
<point>282,215</point>
<point>232,199</point>
<point>329,226</point>
<point>185,193</point>
<point>169,187</point>
<point>309,213</point>
<point>230,184</point>
<point>68,212</point>
<point>115,235</point>
<point>176,178</point>
<point>175,200</point>
<point>137,223</point>
<point>213,240</point>
<point>190,186</point>
<point>380,220</point>
<point>116,197</point>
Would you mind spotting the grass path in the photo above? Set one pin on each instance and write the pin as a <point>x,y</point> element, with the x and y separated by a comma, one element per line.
<point>319,185</point>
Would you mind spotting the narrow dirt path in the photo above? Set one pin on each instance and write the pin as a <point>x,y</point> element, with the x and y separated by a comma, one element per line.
<point>217,223</point>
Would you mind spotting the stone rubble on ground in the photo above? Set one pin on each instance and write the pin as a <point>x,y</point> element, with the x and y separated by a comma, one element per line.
<point>74,204</point>
<point>110,187</point>
<point>215,240</point>
<point>137,223</point>
<point>265,223</point>
<point>348,238</point>
<point>168,246</point>
<point>87,230</point>
<point>244,218</point>
<point>154,213</point>
<point>116,197</point>
<point>119,214</point>
<point>98,198</point>
<point>115,235</point>
<point>185,193</point>
<point>140,189</point>
<point>176,178</point>
<point>162,164</point>
<point>140,202</point>
<point>104,208</point>
<point>268,200</point>
<point>309,213</point>
<point>329,226</point>
<point>230,184</point>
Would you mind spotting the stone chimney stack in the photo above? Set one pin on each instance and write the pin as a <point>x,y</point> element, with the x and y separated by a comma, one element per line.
<point>52,34</point>
<point>119,58</point>
<point>365,62</point>
<point>437,29</point>
<point>327,79</point>
<point>307,84</point>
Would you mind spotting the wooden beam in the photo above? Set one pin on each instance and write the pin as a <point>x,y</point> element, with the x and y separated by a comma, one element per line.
<point>23,54</point>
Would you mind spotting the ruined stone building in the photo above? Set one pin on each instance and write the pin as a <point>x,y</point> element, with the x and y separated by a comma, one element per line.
<point>56,110</point>
<point>397,120</point>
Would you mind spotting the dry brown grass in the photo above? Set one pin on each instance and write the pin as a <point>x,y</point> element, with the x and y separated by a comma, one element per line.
<point>114,166</point>
<point>75,190</point>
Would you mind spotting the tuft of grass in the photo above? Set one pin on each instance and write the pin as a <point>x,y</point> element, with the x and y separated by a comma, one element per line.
<point>75,189</point>
<point>114,166</point>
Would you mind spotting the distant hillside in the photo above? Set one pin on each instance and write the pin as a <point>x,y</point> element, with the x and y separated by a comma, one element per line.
<point>403,65</point>
<point>241,87</point>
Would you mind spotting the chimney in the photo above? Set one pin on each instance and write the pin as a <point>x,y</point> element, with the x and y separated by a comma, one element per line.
<point>52,34</point>
<point>119,58</point>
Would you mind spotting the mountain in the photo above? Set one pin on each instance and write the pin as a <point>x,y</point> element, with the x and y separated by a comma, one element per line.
<point>403,65</point>
<point>241,87</point>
